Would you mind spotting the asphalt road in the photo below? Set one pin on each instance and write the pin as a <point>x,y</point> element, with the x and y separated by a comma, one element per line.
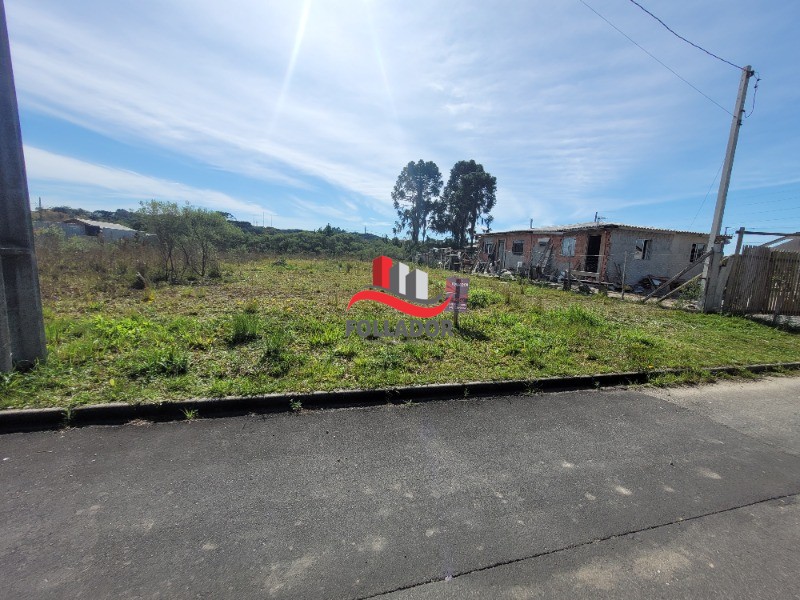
<point>636,494</point>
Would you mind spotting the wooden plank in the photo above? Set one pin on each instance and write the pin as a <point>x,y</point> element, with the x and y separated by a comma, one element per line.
<point>674,277</point>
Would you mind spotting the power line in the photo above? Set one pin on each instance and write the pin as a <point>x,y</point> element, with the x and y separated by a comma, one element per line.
<point>773,201</point>
<point>673,32</point>
<point>770,221</point>
<point>670,69</point>
<point>713,181</point>
<point>755,91</point>
<point>771,210</point>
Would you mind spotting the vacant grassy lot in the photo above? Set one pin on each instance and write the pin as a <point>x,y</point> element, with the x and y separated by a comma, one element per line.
<point>271,326</point>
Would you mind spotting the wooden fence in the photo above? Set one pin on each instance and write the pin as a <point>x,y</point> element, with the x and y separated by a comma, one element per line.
<point>763,281</point>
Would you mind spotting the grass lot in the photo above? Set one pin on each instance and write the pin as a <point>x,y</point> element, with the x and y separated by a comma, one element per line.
<point>268,327</point>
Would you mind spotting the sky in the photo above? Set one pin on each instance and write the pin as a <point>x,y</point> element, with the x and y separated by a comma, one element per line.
<point>300,113</point>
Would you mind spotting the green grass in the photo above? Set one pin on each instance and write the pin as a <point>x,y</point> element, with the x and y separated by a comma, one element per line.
<point>267,326</point>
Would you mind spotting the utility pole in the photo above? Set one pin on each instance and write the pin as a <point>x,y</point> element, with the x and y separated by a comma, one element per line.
<point>22,340</point>
<point>710,277</point>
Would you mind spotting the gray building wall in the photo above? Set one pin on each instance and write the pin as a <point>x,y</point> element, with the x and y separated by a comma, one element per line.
<point>111,235</point>
<point>668,254</point>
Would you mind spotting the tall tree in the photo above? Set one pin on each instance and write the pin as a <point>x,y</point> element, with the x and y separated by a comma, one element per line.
<point>417,186</point>
<point>468,198</point>
<point>164,220</point>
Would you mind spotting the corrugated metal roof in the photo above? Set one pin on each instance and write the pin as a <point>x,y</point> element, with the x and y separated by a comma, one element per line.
<point>592,225</point>
<point>100,224</point>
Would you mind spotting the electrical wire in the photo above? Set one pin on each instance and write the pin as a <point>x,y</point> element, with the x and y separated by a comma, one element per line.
<point>668,68</point>
<point>773,201</point>
<point>673,32</point>
<point>755,91</point>
<point>768,221</point>
<point>772,210</point>
<point>713,181</point>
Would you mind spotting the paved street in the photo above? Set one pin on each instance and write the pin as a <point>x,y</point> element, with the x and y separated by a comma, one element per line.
<point>637,494</point>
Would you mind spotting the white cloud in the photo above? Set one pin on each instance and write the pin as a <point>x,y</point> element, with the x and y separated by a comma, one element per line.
<point>562,109</point>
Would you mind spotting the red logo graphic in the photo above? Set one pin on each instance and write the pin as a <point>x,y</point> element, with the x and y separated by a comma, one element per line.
<point>393,284</point>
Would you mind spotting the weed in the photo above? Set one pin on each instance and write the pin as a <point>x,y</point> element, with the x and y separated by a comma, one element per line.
<point>184,347</point>
<point>295,405</point>
<point>345,350</point>
<point>9,381</point>
<point>326,337</point>
<point>157,361</point>
<point>531,388</point>
<point>275,353</point>
<point>251,306</point>
<point>189,413</point>
<point>575,314</point>
<point>481,298</point>
<point>245,327</point>
<point>387,358</point>
<point>689,295</point>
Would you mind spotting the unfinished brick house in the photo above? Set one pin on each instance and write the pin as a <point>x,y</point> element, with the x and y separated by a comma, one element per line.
<point>595,251</point>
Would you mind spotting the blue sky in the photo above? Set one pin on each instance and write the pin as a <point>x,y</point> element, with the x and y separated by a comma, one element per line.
<point>304,112</point>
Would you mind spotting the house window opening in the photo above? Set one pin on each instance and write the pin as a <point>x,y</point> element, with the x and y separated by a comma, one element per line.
<point>697,251</point>
<point>642,251</point>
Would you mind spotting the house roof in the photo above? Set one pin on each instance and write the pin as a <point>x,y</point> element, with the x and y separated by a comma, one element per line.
<point>792,245</point>
<point>591,226</point>
<point>100,224</point>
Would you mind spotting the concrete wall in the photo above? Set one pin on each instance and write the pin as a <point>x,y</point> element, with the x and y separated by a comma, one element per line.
<point>111,235</point>
<point>669,253</point>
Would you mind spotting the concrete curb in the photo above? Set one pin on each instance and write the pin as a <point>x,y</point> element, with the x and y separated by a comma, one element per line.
<point>118,413</point>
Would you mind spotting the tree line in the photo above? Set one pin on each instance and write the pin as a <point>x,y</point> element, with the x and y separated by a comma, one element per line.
<point>421,204</point>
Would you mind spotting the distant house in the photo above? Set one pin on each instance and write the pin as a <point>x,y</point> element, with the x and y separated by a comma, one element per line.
<point>98,229</point>
<point>595,251</point>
